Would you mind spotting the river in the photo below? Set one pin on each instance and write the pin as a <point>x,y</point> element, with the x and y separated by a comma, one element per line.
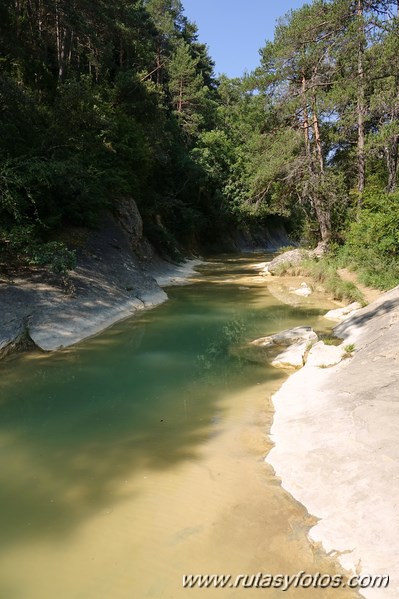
<point>137,457</point>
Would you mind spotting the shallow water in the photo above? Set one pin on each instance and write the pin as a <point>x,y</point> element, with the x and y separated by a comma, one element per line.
<point>138,456</point>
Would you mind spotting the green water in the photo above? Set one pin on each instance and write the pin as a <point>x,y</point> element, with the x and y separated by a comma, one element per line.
<point>110,451</point>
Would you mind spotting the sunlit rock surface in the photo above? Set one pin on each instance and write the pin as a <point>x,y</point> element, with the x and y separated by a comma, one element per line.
<point>336,444</point>
<point>295,335</point>
<point>292,357</point>
<point>290,258</point>
<point>343,313</point>
<point>323,355</point>
<point>268,349</point>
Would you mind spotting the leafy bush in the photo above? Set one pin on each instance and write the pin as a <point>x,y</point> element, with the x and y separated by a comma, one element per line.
<point>372,244</point>
<point>54,254</point>
<point>21,245</point>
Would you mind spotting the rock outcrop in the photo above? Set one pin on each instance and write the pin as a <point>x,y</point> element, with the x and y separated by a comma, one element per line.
<point>16,338</point>
<point>290,258</point>
<point>294,257</point>
<point>343,313</point>
<point>287,337</point>
<point>129,218</point>
<point>323,355</point>
<point>109,283</point>
<point>296,342</point>
<point>292,357</point>
<point>336,444</point>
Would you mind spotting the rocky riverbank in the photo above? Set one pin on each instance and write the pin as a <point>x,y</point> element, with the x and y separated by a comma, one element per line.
<point>336,444</point>
<point>117,274</point>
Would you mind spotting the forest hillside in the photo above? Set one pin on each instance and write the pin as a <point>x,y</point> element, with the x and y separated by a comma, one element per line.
<point>109,102</point>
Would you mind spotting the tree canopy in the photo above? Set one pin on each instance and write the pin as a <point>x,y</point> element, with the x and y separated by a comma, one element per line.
<point>101,100</point>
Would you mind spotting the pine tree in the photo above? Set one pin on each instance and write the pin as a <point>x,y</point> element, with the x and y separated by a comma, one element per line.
<point>187,89</point>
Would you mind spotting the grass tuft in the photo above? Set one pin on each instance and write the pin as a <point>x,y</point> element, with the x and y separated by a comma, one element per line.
<point>350,348</point>
<point>324,271</point>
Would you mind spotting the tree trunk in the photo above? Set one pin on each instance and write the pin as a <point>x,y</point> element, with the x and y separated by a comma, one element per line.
<point>71,42</point>
<point>317,136</point>
<point>62,57</point>
<point>159,62</point>
<point>392,149</point>
<point>40,19</point>
<point>180,100</point>
<point>323,218</point>
<point>306,123</point>
<point>61,36</point>
<point>322,211</point>
<point>360,105</point>
<point>391,155</point>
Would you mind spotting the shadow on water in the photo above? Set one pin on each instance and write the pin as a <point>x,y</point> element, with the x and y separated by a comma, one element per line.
<point>75,426</point>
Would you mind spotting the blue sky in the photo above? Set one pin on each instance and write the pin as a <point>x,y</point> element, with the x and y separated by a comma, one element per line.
<point>234,30</point>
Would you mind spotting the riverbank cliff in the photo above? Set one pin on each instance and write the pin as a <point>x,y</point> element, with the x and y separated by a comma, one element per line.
<point>117,274</point>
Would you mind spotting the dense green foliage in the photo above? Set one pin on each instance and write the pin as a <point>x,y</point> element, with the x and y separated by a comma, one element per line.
<point>103,100</point>
<point>372,245</point>
<point>328,149</point>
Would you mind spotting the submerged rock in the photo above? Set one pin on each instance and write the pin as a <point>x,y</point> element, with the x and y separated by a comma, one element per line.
<point>304,290</point>
<point>262,342</point>
<point>257,354</point>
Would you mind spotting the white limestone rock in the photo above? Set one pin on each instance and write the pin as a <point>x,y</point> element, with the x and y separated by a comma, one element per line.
<point>343,313</point>
<point>263,342</point>
<point>287,337</point>
<point>290,258</point>
<point>292,357</point>
<point>336,450</point>
<point>304,290</point>
<point>321,355</point>
<point>295,335</point>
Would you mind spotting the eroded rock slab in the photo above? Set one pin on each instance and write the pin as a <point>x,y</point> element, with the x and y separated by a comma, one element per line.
<point>108,284</point>
<point>323,355</point>
<point>336,447</point>
<point>343,313</point>
<point>295,335</point>
<point>292,357</point>
<point>287,337</point>
<point>264,349</point>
